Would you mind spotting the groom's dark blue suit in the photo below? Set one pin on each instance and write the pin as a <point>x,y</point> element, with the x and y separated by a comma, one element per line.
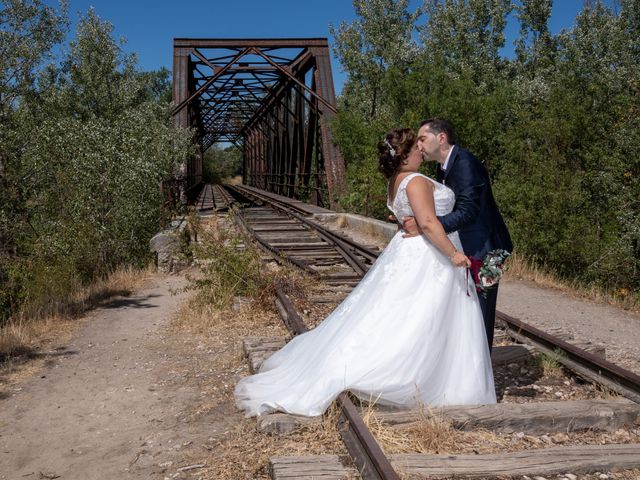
<point>475,217</point>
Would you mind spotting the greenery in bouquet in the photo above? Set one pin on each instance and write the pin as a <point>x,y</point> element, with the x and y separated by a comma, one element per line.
<point>488,271</point>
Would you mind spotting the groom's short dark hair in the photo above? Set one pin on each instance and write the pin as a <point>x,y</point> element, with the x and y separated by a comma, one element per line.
<point>439,125</point>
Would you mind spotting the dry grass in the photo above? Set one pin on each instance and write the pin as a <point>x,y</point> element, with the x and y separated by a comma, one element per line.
<point>627,475</point>
<point>550,364</point>
<point>30,330</point>
<point>245,453</point>
<point>122,282</point>
<point>241,452</point>
<point>434,434</point>
<point>237,180</point>
<point>523,269</point>
<point>431,434</point>
<point>227,324</point>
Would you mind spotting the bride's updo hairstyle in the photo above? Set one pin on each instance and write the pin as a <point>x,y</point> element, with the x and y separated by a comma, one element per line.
<point>394,149</point>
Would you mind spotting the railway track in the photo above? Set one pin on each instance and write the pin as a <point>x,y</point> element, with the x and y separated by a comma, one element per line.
<point>213,197</point>
<point>293,238</point>
<point>290,236</point>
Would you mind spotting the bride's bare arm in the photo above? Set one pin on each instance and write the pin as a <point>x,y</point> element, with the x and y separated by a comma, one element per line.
<point>420,194</point>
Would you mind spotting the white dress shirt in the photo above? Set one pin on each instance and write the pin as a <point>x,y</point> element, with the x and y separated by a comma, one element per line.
<point>446,162</point>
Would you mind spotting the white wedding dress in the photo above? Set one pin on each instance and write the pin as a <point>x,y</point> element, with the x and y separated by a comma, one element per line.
<point>411,333</point>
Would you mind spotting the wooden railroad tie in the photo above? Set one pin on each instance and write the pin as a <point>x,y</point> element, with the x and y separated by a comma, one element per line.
<point>535,418</point>
<point>546,461</point>
<point>319,467</point>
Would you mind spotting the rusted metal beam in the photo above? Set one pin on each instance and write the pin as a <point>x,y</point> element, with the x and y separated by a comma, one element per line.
<point>296,81</point>
<point>299,66</point>
<point>251,42</point>
<point>333,162</point>
<point>206,84</point>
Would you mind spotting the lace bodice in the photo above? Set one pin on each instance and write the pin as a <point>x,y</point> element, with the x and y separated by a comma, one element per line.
<point>443,196</point>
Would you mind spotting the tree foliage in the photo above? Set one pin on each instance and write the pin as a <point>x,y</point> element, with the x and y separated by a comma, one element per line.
<point>85,144</point>
<point>221,164</point>
<point>28,31</point>
<point>556,125</point>
<point>379,40</point>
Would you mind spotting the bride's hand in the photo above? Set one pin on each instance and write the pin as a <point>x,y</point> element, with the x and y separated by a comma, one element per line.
<point>459,259</point>
<point>410,226</point>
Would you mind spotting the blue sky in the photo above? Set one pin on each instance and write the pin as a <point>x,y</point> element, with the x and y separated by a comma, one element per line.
<point>150,26</point>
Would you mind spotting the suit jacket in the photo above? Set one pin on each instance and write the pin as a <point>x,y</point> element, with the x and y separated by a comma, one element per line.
<point>475,214</point>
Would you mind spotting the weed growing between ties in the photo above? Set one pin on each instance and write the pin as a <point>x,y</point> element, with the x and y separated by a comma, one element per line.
<point>229,268</point>
<point>436,435</point>
<point>549,363</point>
<point>433,433</point>
<point>232,267</point>
<point>216,321</point>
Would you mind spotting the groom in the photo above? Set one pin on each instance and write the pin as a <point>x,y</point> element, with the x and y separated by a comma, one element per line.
<point>475,215</point>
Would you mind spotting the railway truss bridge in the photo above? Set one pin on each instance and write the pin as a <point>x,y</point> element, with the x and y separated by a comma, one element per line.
<point>271,98</point>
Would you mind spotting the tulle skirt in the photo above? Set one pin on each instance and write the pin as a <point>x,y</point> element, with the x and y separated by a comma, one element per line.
<point>411,333</point>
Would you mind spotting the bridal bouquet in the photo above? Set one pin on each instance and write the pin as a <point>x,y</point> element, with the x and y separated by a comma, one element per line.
<point>488,271</point>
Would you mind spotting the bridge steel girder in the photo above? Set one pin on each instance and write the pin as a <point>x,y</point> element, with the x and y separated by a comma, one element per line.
<point>272,97</point>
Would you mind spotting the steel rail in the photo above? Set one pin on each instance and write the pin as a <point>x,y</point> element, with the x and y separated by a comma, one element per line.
<point>369,458</point>
<point>369,254</point>
<point>202,196</point>
<point>227,199</point>
<point>248,193</point>
<point>280,256</point>
<point>585,364</point>
<point>362,250</point>
<point>330,237</point>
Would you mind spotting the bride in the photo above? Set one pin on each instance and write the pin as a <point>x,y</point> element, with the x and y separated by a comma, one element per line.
<point>411,333</point>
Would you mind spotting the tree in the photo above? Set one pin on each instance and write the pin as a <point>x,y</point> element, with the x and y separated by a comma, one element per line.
<point>28,31</point>
<point>466,35</point>
<point>380,39</point>
<point>88,145</point>
<point>557,127</point>
<point>98,79</point>
<point>535,43</point>
<point>221,164</point>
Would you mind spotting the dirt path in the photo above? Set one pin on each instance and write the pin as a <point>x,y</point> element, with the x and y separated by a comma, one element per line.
<point>111,404</point>
<point>616,329</point>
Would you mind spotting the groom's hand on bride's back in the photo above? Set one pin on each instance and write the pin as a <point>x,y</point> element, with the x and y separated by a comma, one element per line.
<point>394,219</point>
<point>410,226</point>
